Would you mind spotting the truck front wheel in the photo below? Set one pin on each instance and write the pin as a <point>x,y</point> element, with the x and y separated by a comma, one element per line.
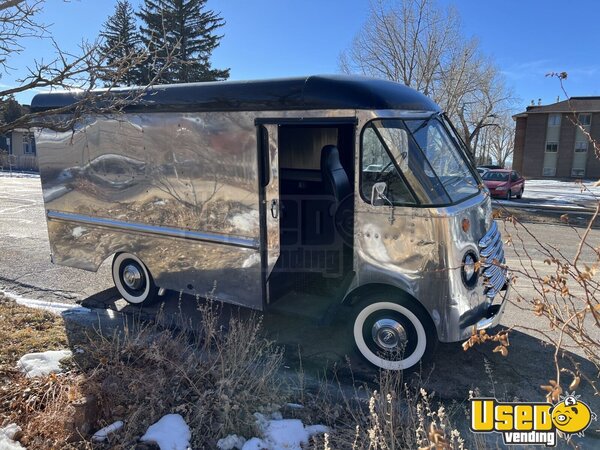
<point>133,280</point>
<point>392,334</point>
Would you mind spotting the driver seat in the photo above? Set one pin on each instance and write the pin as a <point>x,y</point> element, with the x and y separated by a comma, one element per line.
<point>335,179</point>
<point>340,195</point>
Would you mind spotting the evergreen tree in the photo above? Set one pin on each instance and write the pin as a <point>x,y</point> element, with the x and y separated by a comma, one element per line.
<point>121,41</point>
<point>186,31</point>
<point>11,110</point>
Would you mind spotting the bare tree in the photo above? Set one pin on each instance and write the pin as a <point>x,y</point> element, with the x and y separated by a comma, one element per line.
<point>79,72</point>
<point>496,141</point>
<point>419,44</point>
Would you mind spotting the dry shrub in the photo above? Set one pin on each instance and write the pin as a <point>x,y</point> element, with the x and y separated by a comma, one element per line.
<point>215,380</point>
<point>41,406</point>
<point>392,415</point>
<point>50,410</point>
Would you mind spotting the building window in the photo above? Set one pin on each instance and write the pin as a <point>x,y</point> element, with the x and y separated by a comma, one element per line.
<point>551,147</point>
<point>28,144</point>
<point>585,119</point>
<point>581,146</point>
<point>554,120</point>
<point>9,145</point>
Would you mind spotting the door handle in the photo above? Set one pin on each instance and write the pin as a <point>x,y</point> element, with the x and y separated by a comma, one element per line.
<point>274,208</point>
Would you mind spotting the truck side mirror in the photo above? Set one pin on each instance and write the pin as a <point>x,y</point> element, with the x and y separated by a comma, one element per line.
<point>378,196</point>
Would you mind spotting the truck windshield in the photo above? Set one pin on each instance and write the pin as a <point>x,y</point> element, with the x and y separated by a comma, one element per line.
<point>432,165</point>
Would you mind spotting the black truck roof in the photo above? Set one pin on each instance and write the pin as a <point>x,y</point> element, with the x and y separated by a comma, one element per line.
<point>302,93</point>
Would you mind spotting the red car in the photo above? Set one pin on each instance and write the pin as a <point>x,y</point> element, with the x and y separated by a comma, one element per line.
<point>504,183</point>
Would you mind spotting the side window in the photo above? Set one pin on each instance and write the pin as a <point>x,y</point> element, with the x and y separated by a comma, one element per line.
<point>377,166</point>
<point>514,176</point>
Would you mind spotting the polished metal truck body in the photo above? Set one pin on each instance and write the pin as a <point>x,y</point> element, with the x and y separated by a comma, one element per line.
<point>197,182</point>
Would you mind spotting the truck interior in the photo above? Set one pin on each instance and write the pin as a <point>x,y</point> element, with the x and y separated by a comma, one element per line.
<point>316,187</point>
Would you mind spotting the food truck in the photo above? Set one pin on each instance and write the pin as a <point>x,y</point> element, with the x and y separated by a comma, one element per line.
<point>348,191</point>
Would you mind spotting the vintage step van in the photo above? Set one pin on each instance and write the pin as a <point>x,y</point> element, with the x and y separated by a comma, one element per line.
<point>305,192</point>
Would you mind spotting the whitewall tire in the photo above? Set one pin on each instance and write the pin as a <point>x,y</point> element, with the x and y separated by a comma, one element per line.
<point>132,279</point>
<point>392,335</point>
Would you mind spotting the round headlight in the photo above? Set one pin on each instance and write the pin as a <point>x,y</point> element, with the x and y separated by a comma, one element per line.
<point>469,269</point>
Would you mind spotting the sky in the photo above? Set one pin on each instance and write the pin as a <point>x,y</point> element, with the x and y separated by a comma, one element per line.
<point>275,38</point>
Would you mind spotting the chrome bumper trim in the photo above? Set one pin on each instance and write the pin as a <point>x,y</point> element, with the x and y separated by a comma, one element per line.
<point>151,229</point>
<point>496,312</point>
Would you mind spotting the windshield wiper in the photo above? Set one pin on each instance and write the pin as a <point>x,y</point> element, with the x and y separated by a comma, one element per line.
<point>425,122</point>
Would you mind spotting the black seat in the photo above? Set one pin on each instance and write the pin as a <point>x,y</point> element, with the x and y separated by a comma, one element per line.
<point>337,186</point>
<point>335,178</point>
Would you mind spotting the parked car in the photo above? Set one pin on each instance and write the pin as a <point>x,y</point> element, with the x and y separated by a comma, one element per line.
<point>504,183</point>
<point>490,167</point>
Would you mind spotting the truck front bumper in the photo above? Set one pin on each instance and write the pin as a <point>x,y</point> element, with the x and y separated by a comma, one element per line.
<point>494,312</point>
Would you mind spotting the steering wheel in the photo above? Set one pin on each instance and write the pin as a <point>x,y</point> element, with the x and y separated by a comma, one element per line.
<point>383,171</point>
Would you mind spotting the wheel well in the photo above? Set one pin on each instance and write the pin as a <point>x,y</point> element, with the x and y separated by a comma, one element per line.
<point>355,296</point>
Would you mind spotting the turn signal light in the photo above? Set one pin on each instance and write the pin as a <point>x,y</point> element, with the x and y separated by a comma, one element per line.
<point>466,225</point>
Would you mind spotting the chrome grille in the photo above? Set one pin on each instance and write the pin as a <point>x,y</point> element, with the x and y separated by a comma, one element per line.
<point>492,258</point>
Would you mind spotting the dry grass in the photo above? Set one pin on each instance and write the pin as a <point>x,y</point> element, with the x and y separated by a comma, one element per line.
<point>26,330</point>
<point>215,380</point>
<point>37,405</point>
<point>395,414</point>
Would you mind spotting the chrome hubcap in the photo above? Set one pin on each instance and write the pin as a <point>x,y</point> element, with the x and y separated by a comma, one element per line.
<point>388,334</point>
<point>132,277</point>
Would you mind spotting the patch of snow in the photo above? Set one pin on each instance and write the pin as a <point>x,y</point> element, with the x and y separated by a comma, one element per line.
<point>78,232</point>
<point>294,406</point>
<point>233,441</point>
<point>55,308</point>
<point>42,363</point>
<point>5,174</point>
<point>255,444</point>
<point>7,436</point>
<point>159,202</point>
<point>246,222</point>
<point>169,433</point>
<point>285,434</point>
<point>276,434</point>
<point>102,434</point>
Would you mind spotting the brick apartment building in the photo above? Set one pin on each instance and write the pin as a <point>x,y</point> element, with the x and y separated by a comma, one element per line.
<point>548,144</point>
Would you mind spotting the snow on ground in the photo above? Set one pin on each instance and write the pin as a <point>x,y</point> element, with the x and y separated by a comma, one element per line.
<point>53,307</point>
<point>557,194</point>
<point>169,433</point>
<point>42,363</point>
<point>6,174</point>
<point>7,435</point>
<point>276,434</point>
<point>102,434</point>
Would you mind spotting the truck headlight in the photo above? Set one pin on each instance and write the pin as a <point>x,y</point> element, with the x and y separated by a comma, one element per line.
<point>470,269</point>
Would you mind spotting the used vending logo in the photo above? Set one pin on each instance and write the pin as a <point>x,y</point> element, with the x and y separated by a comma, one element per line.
<point>531,423</point>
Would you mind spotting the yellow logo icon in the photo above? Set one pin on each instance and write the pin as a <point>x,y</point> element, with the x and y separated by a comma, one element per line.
<point>572,416</point>
<point>531,423</point>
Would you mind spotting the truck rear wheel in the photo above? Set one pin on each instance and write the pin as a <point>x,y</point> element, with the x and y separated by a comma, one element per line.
<point>392,333</point>
<point>133,280</point>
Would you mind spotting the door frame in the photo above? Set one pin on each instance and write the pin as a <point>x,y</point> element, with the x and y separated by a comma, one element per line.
<point>264,168</point>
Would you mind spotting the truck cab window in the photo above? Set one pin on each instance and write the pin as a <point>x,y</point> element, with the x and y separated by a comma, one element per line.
<point>377,166</point>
